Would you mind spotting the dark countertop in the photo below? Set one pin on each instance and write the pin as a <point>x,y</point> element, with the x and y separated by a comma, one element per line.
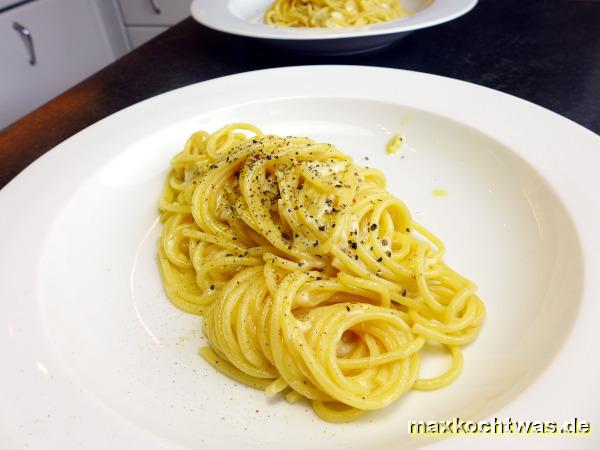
<point>545,51</point>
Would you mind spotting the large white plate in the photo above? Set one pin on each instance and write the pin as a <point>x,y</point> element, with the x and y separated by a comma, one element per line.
<point>94,356</point>
<point>245,18</point>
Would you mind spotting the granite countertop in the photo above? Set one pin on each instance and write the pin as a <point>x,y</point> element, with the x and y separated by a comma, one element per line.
<point>547,52</point>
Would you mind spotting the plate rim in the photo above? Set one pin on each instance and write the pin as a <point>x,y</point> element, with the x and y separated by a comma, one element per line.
<point>238,27</point>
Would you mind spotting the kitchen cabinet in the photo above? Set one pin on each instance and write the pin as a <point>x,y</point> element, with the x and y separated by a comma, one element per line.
<point>141,35</point>
<point>8,3</point>
<point>46,46</point>
<point>145,19</point>
<point>154,12</point>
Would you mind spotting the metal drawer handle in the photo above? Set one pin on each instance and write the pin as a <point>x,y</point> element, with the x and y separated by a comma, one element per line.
<point>155,7</point>
<point>28,39</point>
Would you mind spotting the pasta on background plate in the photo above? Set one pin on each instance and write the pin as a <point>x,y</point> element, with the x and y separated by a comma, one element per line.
<point>313,281</point>
<point>333,13</point>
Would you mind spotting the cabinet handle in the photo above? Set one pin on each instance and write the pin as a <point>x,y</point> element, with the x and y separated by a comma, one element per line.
<point>155,7</point>
<point>28,39</point>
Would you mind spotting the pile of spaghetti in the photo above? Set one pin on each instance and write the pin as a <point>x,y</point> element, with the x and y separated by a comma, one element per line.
<point>313,280</point>
<point>332,13</point>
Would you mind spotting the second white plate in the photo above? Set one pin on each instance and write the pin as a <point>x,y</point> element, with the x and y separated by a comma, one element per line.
<point>245,18</point>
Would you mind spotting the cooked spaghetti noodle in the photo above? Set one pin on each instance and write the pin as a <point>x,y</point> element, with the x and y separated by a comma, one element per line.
<point>314,281</point>
<point>332,13</point>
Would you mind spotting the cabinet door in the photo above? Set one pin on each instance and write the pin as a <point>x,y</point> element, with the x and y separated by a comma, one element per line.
<point>141,35</point>
<point>7,3</point>
<point>69,43</point>
<point>155,12</point>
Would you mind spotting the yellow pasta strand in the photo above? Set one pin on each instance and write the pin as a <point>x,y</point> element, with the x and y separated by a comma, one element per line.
<point>314,282</point>
<point>333,13</point>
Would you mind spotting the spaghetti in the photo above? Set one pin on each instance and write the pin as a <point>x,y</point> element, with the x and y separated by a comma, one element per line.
<point>333,13</point>
<point>314,281</point>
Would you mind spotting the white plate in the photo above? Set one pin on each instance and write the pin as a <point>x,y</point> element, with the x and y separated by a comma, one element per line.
<point>94,356</point>
<point>245,18</point>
